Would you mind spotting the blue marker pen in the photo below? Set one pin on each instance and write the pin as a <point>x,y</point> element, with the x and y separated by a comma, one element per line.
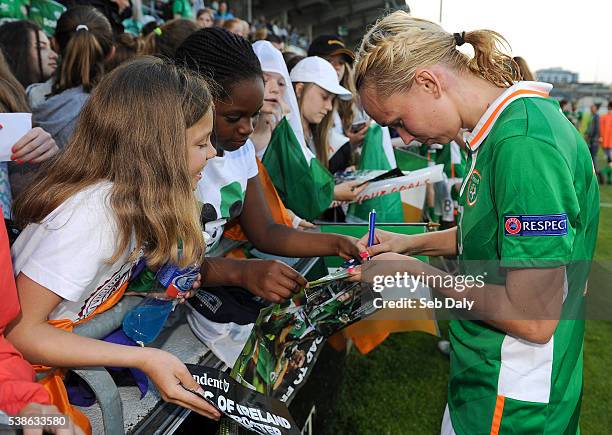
<point>372,228</point>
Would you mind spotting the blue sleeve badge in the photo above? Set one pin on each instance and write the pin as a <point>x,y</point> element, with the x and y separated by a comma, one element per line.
<point>536,225</point>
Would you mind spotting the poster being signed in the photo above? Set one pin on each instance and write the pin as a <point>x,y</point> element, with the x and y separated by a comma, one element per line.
<point>286,338</point>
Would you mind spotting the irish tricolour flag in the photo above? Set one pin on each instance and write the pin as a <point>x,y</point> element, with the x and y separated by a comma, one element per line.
<point>303,183</point>
<point>377,153</point>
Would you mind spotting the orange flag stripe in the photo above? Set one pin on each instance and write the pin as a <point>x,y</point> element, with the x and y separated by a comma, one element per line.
<point>497,415</point>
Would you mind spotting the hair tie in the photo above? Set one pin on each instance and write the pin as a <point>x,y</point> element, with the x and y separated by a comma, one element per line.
<point>157,31</point>
<point>459,39</point>
<point>81,27</point>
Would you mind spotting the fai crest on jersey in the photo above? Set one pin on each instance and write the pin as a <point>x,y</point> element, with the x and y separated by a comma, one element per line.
<point>472,187</point>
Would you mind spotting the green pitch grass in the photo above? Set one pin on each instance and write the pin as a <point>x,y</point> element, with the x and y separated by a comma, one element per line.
<point>400,387</point>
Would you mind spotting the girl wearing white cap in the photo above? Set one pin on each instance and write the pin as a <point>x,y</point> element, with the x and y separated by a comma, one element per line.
<point>316,86</point>
<point>350,121</point>
<point>280,101</point>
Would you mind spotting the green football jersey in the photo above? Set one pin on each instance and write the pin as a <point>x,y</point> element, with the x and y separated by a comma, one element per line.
<point>530,199</point>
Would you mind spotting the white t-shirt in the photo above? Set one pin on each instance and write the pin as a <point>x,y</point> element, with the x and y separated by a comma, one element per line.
<point>222,189</point>
<point>68,253</point>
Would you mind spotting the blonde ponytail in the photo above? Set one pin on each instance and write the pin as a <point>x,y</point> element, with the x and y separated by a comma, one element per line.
<point>489,61</point>
<point>398,44</point>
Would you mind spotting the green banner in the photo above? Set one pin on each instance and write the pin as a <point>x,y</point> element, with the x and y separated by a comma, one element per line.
<point>15,9</point>
<point>409,161</point>
<point>388,207</point>
<point>45,13</point>
<point>306,187</point>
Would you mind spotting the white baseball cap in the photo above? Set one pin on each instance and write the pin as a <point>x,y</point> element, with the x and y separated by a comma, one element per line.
<point>317,70</point>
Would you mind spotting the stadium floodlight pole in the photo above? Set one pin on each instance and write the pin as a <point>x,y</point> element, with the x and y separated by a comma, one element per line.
<point>441,1</point>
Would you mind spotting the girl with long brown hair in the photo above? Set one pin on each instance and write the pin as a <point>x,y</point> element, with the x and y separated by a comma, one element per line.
<point>122,190</point>
<point>28,51</point>
<point>317,88</point>
<point>84,40</point>
<point>348,117</point>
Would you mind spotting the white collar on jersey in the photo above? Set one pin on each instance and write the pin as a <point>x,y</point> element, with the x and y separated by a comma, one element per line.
<point>514,92</point>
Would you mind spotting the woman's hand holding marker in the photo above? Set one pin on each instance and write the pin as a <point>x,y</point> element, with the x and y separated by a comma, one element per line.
<point>385,264</point>
<point>377,247</point>
<point>384,241</point>
<point>364,254</point>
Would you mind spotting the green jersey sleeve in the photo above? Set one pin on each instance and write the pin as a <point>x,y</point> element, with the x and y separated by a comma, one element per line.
<point>536,203</point>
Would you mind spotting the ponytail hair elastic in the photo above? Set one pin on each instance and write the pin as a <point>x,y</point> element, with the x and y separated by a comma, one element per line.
<point>459,39</point>
<point>157,31</point>
<point>81,27</point>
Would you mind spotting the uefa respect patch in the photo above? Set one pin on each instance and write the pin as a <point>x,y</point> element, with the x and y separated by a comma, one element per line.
<point>536,225</point>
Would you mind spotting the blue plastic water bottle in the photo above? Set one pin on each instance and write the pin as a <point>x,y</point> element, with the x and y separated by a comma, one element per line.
<point>146,320</point>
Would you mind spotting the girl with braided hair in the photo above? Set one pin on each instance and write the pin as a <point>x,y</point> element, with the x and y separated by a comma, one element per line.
<point>230,189</point>
<point>530,211</point>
